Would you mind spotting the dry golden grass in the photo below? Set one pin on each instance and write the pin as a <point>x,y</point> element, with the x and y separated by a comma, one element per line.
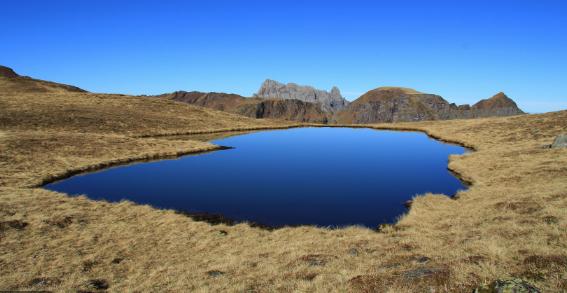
<point>114,114</point>
<point>511,222</point>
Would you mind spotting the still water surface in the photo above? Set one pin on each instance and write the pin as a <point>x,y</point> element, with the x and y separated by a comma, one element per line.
<point>317,176</point>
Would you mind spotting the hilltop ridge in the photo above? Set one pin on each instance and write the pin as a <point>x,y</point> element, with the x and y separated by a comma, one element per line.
<point>10,81</point>
<point>7,72</point>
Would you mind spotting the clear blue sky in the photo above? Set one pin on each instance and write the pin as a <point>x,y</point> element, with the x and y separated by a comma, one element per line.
<point>462,50</point>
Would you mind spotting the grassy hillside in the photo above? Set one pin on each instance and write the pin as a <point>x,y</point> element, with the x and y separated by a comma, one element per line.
<point>510,223</point>
<point>81,125</point>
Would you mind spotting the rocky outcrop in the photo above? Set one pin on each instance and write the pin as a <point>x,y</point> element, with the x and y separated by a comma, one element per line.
<point>560,142</point>
<point>330,102</point>
<point>395,104</point>
<point>293,110</point>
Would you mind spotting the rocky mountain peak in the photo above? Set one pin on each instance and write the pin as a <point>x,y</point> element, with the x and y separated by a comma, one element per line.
<point>335,92</point>
<point>329,101</point>
<point>500,95</point>
<point>500,100</point>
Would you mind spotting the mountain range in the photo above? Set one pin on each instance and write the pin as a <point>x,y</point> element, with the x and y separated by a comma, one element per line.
<point>290,101</point>
<point>275,100</point>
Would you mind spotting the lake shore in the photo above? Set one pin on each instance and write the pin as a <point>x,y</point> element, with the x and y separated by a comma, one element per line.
<point>291,177</point>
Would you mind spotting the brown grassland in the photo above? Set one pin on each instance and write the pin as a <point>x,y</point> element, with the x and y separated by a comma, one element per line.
<point>511,222</point>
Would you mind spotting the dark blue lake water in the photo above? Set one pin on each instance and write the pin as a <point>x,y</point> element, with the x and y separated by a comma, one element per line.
<point>317,176</point>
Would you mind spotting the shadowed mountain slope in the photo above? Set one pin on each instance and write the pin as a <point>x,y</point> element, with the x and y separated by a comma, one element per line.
<point>293,110</point>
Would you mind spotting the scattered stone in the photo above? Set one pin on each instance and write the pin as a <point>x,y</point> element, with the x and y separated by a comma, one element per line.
<point>353,252</point>
<point>508,286</point>
<point>44,281</point>
<point>98,284</point>
<point>117,260</point>
<point>13,224</point>
<point>88,265</point>
<point>408,203</point>
<point>422,259</point>
<point>215,273</point>
<point>560,142</point>
<point>315,259</point>
<point>428,274</point>
<point>223,233</point>
<point>550,220</point>
<point>392,265</point>
<point>476,259</point>
<point>419,273</point>
<point>521,207</point>
<point>63,222</point>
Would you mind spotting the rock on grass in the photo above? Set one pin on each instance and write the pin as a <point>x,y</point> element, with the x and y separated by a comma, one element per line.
<point>508,286</point>
<point>559,142</point>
